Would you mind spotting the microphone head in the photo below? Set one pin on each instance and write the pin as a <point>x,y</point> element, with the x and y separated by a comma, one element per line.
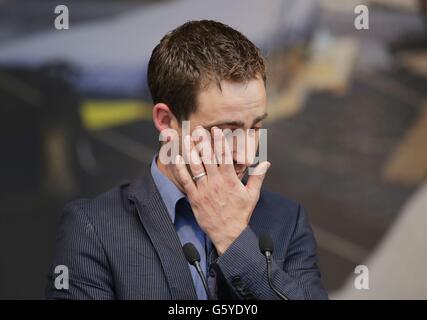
<point>191,253</point>
<point>266,243</point>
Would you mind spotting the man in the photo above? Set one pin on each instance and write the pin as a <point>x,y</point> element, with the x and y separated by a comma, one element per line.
<point>127,243</point>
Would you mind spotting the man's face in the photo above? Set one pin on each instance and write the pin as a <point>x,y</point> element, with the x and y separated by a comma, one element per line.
<point>235,106</point>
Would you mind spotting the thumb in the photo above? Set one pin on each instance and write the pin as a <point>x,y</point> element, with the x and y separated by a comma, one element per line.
<point>256,178</point>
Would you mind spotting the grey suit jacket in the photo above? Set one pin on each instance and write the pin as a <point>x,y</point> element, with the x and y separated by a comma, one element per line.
<point>123,245</point>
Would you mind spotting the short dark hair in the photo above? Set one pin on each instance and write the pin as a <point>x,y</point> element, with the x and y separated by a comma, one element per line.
<point>193,56</point>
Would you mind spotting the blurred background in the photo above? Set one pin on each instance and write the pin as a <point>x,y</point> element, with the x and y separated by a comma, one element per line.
<point>347,124</point>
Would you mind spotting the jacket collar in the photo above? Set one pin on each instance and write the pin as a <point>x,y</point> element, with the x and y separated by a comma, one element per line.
<point>161,231</point>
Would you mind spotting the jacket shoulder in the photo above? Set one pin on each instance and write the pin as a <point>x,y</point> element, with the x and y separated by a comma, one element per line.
<point>106,204</point>
<point>278,203</point>
<point>275,213</point>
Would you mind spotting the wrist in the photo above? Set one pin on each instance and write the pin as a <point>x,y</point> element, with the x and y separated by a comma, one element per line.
<point>224,240</point>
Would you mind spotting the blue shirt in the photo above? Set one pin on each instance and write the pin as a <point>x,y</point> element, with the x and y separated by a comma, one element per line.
<point>185,223</point>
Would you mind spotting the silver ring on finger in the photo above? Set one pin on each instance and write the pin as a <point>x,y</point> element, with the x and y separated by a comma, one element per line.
<point>199,176</point>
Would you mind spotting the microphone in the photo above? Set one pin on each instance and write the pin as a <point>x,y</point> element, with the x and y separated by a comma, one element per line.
<point>266,246</point>
<point>193,258</point>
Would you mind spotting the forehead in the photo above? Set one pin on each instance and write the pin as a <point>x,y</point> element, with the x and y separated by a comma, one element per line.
<point>233,101</point>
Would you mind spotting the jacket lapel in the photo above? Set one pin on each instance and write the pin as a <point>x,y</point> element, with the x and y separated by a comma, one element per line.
<point>161,231</point>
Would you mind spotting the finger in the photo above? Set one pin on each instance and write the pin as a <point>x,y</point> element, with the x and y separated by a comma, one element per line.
<point>194,161</point>
<point>204,147</point>
<point>256,178</point>
<point>222,152</point>
<point>184,177</point>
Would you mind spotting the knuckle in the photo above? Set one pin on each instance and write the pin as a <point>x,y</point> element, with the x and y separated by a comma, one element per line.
<point>187,184</point>
<point>216,187</point>
<point>196,201</point>
<point>230,183</point>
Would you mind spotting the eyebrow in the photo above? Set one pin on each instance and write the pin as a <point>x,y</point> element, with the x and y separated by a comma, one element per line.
<point>235,123</point>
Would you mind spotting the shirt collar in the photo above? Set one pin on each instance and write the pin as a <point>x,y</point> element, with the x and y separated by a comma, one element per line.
<point>167,189</point>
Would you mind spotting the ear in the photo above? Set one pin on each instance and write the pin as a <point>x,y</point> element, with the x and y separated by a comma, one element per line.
<point>163,117</point>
